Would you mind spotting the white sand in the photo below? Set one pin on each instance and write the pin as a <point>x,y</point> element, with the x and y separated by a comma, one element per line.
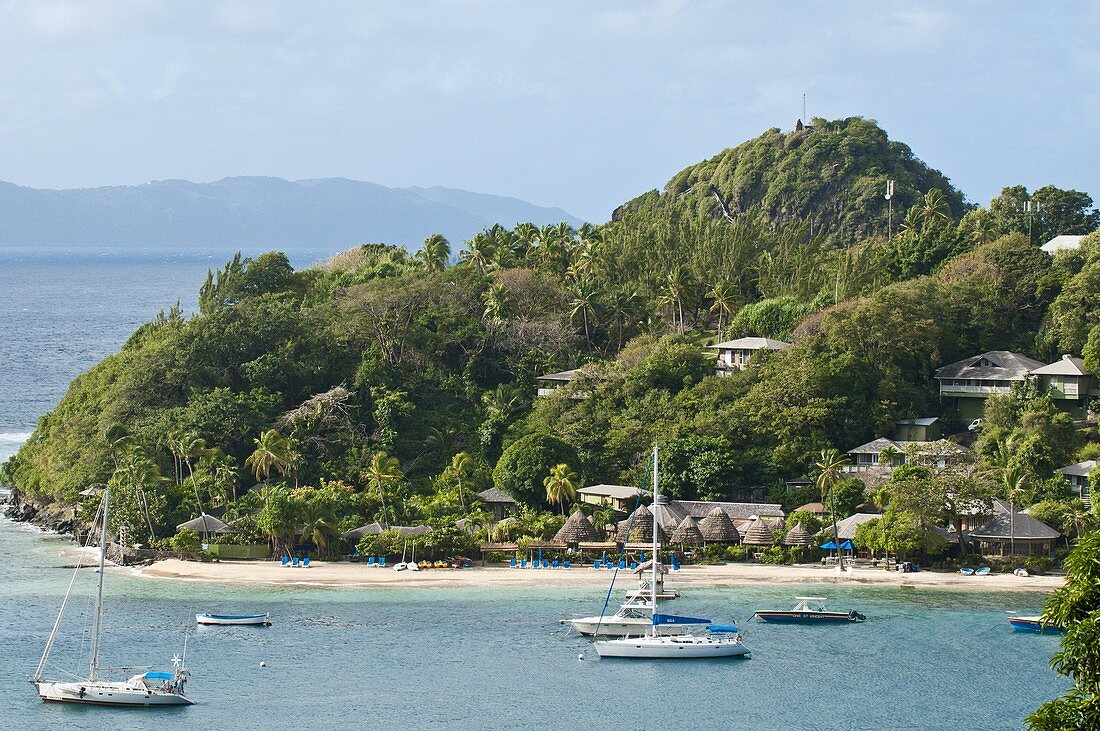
<point>324,574</point>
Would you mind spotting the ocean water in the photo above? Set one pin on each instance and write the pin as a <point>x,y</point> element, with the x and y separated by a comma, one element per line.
<point>479,659</point>
<point>61,312</point>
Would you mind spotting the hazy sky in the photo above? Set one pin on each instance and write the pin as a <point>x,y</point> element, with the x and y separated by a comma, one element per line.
<point>576,104</point>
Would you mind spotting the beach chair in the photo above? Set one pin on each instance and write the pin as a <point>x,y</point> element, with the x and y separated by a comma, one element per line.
<point>596,565</point>
<point>622,563</point>
<point>554,564</point>
<point>566,565</point>
<point>286,560</point>
<point>371,561</point>
<point>513,563</point>
<point>523,564</point>
<point>546,563</point>
<point>382,561</point>
<point>305,562</point>
<point>295,564</point>
<point>633,565</point>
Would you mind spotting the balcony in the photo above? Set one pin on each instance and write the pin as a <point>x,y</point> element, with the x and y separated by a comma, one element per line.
<point>946,390</point>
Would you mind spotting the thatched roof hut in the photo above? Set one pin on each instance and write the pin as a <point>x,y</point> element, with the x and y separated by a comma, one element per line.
<point>687,532</point>
<point>578,528</point>
<point>718,528</point>
<point>798,536</point>
<point>205,524</point>
<point>370,529</point>
<point>759,534</point>
<point>638,527</point>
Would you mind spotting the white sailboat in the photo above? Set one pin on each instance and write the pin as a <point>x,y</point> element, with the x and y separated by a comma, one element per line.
<point>144,689</point>
<point>633,619</point>
<point>655,644</point>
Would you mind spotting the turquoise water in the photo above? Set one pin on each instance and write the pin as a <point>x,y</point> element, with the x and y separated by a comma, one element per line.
<point>473,658</point>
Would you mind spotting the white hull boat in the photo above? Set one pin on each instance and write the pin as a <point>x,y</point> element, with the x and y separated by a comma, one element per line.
<point>620,627</point>
<point>677,647</point>
<point>137,691</point>
<point>234,620</point>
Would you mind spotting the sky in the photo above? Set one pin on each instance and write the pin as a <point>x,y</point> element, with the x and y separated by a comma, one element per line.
<point>581,105</point>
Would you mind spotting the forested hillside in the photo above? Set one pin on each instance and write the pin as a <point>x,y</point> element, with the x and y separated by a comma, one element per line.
<point>387,386</point>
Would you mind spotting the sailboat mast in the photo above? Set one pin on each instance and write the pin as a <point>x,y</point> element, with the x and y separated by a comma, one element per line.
<point>653,582</point>
<point>93,663</point>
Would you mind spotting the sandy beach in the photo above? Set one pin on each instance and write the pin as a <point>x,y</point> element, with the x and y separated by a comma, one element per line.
<point>322,574</point>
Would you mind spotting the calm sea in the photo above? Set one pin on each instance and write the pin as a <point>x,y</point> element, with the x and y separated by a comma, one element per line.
<point>62,311</point>
<point>478,659</point>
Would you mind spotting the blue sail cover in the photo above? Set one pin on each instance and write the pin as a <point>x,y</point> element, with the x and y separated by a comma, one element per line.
<point>673,619</point>
<point>723,628</point>
<point>158,676</point>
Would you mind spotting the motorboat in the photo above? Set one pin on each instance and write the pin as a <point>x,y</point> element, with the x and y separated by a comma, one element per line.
<point>235,620</point>
<point>153,688</point>
<point>633,619</point>
<point>716,641</point>
<point>1032,624</point>
<point>809,610</point>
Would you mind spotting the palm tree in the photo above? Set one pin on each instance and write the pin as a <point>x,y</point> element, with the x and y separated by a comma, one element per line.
<point>672,295</point>
<point>561,485</point>
<point>318,525</point>
<point>891,456</point>
<point>383,472</point>
<point>498,303</point>
<point>1016,481</point>
<point>585,304</point>
<point>1078,518</point>
<point>479,252</point>
<point>270,454</point>
<point>434,253</point>
<point>881,500</point>
<point>723,296</point>
<point>830,466</point>
<point>934,208</point>
<point>191,446</point>
<point>461,466</point>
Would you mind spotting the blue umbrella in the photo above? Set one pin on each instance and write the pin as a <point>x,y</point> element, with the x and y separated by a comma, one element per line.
<point>829,546</point>
<point>847,546</point>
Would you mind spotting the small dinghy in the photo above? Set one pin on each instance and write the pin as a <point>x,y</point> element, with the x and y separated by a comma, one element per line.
<point>1032,624</point>
<point>966,571</point>
<point>234,620</point>
<point>809,610</point>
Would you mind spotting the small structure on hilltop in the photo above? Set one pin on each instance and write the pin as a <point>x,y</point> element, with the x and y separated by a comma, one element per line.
<point>734,355</point>
<point>577,528</point>
<point>1064,242</point>
<point>1077,476</point>
<point>622,498</point>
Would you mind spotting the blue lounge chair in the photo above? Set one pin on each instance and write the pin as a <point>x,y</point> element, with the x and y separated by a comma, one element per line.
<point>295,564</point>
<point>566,565</point>
<point>622,563</point>
<point>523,564</point>
<point>286,560</point>
<point>554,564</point>
<point>305,562</point>
<point>633,565</point>
<point>382,561</point>
<point>513,563</point>
<point>546,563</point>
<point>371,561</point>
<point>596,565</point>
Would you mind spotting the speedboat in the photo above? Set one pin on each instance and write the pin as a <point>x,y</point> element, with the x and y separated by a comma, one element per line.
<point>633,619</point>
<point>809,610</point>
<point>238,620</point>
<point>1032,624</point>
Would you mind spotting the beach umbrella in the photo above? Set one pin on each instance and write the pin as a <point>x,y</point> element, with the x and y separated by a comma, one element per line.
<point>830,546</point>
<point>847,546</point>
<point>718,528</point>
<point>578,528</point>
<point>759,534</point>
<point>205,524</point>
<point>687,532</point>
<point>798,536</point>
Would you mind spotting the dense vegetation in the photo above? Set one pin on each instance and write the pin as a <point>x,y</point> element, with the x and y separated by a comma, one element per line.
<point>392,387</point>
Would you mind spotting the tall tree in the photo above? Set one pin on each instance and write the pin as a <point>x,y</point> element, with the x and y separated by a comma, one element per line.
<point>435,253</point>
<point>382,474</point>
<point>830,471</point>
<point>561,485</point>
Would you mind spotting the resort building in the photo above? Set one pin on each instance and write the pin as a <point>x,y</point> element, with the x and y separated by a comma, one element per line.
<point>498,502</point>
<point>1069,384</point>
<point>883,455</point>
<point>1065,242</point>
<point>1077,475</point>
<point>671,514</point>
<point>622,498</point>
<point>846,529</point>
<point>553,381</point>
<point>1010,532</point>
<point>965,384</point>
<point>734,355</point>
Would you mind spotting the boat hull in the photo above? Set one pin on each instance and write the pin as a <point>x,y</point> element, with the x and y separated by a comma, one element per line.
<point>646,648</point>
<point>234,620</point>
<point>620,627</point>
<point>108,694</point>
<point>808,617</point>
<point>1031,624</point>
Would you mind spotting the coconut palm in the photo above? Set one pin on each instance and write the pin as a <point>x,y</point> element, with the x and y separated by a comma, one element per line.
<point>561,485</point>
<point>270,454</point>
<point>318,525</point>
<point>830,470</point>
<point>384,472</point>
<point>672,295</point>
<point>723,296</point>
<point>585,303</point>
<point>478,252</point>
<point>434,253</point>
<point>498,303</point>
<point>1077,518</point>
<point>881,500</point>
<point>1015,481</point>
<point>462,464</point>
<point>934,208</point>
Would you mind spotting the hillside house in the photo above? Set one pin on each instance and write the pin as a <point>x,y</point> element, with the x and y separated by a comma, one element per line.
<point>734,355</point>
<point>1077,476</point>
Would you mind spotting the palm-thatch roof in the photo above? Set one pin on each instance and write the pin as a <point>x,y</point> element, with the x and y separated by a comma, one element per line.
<point>759,534</point>
<point>412,531</point>
<point>718,528</point>
<point>371,529</point>
<point>496,495</point>
<point>687,532</point>
<point>798,536</point>
<point>638,527</point>
<point>205,524</point>
<point>578,528</point>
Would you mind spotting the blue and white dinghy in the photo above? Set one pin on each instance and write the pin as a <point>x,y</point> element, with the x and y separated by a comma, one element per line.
<point>234,620</point>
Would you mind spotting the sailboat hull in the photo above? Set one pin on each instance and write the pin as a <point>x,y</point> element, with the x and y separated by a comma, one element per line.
<point>109,694</point>
<point>671,648</point>
<point>621,627</point>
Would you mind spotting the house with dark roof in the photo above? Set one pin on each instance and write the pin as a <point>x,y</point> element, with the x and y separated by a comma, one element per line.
<point>734,355</point>
<point>966,384</point>
<point>1077,476</point>
<point>1010,532</point>
<point>499,503</point>
<point>1069,384</point>
<point>551,382</point>
<point>871,456</point>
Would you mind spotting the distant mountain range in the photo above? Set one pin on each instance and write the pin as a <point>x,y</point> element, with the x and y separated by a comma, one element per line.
<point>253,212</point>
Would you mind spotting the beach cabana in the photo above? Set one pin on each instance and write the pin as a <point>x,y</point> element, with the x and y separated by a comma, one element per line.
<point>412,531</point>
<point>205,525</point>
<point>759,534</point>
<point>718,528</point>
<point>577,529</point>
<point>371,529</point>
<point>638,528</point>
<point>687,532</point>
<point>798,536</point>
